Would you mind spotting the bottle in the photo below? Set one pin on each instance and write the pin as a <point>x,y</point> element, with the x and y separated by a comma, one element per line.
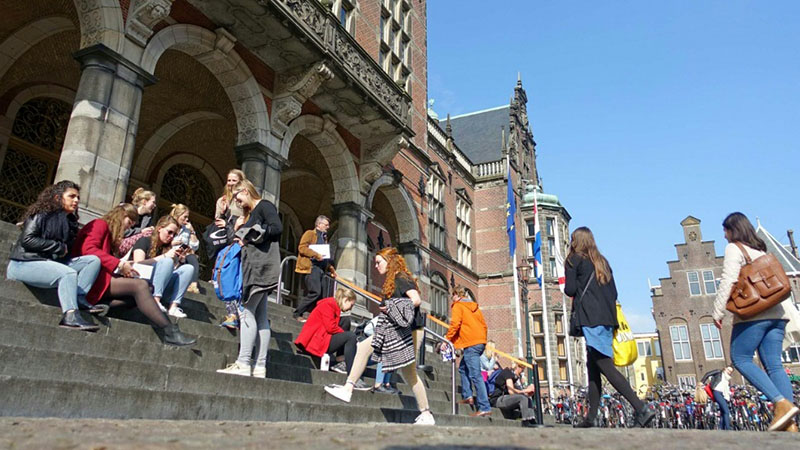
<point>325,362</point>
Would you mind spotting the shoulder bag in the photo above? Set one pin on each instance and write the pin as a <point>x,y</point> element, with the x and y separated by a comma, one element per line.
<point>762,284</point>
<point>575,327</point>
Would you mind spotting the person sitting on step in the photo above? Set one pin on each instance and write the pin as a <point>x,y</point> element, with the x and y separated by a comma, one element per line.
<point>187,238</point>
<point>117,284</point>
<point>171,274</point>
<point>40,258</point>
<point>322,334</point>
<point>510,398</point>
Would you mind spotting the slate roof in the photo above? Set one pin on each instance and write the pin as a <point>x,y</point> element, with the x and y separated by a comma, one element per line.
<point>784,255</point>
<point>478,134</point>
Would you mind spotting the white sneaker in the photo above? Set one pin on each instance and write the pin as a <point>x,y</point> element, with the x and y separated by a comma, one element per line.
<point>236,369</point>
<point>176,311</point>
<point>425,418</point>
<point>340,392</point>
<point>259,372</point>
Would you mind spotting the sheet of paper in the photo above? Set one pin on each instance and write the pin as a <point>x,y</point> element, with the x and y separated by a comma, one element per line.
<point>145,271</point>
<point>322,249</point>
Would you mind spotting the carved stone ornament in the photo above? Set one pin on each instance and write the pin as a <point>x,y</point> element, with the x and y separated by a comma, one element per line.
<point>306,83</point>
<point>692,236</point>
<point>143,16</point>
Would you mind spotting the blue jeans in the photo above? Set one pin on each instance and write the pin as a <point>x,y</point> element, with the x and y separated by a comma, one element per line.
<point>725,412</point>
<point>169,283</point>
<point>470,370</point>
<point>380,377</point>
<point>74,278</point>
<point>767,337</point>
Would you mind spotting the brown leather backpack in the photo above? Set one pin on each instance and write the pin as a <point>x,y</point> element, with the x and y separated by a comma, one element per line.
<point>762,284</point>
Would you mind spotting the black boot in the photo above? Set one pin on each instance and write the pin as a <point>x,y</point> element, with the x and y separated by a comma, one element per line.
<point>174,336</point>
<point>644,416</point>
<point>75,320</point>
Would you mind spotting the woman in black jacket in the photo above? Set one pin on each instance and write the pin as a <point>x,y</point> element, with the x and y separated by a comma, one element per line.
<point>591,284</point>
<point>40,256</point>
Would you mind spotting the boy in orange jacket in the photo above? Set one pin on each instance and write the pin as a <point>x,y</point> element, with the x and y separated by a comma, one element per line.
<point>468,332</point>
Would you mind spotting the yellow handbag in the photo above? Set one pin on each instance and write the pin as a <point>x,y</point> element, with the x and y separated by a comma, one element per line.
<point>625,351</point>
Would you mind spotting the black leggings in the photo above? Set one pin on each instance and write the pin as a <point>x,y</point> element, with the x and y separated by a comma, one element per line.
<point>194,262</point>
<point>124,291</point>
<point>597,363</point>
<point>344,343</point>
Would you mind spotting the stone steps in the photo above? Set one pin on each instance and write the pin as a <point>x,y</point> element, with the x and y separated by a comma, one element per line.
<point>124,371</point>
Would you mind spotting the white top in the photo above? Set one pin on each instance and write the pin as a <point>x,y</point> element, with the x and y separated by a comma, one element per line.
<point>724,385</point>
<point>731,266</point>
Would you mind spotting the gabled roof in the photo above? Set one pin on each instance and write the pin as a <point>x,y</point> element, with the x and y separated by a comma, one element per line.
<point>478,134</point>
<point>690,220</point>
<point>785,256</point>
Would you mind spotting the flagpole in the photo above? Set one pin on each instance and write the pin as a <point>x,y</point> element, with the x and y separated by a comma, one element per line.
<point>514,269</point>
<point>545,318</point>
<point>564,326</point>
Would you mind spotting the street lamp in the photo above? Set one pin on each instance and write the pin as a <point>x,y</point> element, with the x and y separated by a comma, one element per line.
<point>524,272</point>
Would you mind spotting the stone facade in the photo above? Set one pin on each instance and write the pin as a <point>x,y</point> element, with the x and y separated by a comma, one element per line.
<point>323,104</point>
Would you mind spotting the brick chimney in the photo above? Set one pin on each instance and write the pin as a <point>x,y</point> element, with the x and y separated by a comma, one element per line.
<point>792,244</point>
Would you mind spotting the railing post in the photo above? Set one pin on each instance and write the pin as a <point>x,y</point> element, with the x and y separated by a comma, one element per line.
<point>537,396</point>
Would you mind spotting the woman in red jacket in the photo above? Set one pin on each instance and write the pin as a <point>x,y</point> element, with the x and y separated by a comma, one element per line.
<point>322,334</point>
<point>101,237</point>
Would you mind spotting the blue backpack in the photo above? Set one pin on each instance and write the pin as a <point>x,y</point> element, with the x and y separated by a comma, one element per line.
<point>228,273</point>
<point>490,387</point>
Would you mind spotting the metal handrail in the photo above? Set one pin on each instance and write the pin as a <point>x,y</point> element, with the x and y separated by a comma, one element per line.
<point>280,276</point>
<point>375,299</point>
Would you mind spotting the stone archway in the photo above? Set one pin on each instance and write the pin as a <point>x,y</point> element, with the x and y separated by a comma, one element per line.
<point>150,149</point>
<point>322,133</point>
<point>215,52</point>
<point>402,204</point>
<point>101,23</point>
<point>26,37</point>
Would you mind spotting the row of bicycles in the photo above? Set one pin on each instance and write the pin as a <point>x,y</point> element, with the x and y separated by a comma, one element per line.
<point>675,409</point>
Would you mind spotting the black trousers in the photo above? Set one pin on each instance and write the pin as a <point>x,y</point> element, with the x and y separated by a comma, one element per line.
<point>344,344</point>
<point>598,363</point>
<point>313,292</point>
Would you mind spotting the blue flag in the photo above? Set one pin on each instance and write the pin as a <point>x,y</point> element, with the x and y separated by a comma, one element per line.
<point>511,213</point>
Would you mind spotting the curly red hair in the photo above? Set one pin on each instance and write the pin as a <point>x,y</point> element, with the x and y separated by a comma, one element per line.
<point>396,264</point>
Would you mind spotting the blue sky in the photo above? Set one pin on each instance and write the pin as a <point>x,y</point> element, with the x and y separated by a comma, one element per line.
<point>643,112</point>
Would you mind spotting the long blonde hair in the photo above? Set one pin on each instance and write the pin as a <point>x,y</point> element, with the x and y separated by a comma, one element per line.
<point>115,218</point>
<point>489,349</point>
<point>228,192</point>
<point>251,189</point>
<point>396,265</point>
<point>178,209</point>
<point>584,245</point>
<point>140,196</point>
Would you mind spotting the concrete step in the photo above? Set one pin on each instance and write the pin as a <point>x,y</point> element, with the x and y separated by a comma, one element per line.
<point>23,397</point>
<point>297,366</point>
<point>115,372</point>
<point>211,337</point>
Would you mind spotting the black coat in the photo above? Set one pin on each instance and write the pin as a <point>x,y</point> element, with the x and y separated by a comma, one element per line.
<point>33,246</point>
<point>598,306</point>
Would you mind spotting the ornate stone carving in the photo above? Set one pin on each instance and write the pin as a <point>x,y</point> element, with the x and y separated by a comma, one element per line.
<point>143,15</point>
<point>284,110</point>
<point>293,90</point>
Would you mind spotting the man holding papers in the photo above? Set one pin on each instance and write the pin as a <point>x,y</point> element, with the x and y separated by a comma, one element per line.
<point>313,259</point>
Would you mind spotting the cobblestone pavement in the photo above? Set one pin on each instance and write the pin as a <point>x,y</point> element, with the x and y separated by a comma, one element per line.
<point>26,433</point>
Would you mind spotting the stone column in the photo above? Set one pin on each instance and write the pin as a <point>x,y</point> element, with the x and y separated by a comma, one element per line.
<point>262,167</point>
<point>352,255</point>
<point>99,144</point>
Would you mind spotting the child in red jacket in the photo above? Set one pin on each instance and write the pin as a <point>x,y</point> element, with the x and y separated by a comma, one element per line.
<point>322,334</point>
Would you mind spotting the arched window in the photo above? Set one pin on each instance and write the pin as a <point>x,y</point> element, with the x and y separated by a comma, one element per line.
<point>185,184</point>
<point>439,300</point>
<point>679,335</point>
<point>34,147</point>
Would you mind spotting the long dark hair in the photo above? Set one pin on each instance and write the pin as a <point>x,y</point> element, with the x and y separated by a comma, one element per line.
<point>583,244</point>
<point>50,199</point>
<point>741,230</point>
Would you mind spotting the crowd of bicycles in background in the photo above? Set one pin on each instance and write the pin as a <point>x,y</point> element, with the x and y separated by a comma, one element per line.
<point>675,408</point>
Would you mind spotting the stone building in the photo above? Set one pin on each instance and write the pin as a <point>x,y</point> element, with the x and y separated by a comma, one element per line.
<point>323,104</point>
<point>683,304</point>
